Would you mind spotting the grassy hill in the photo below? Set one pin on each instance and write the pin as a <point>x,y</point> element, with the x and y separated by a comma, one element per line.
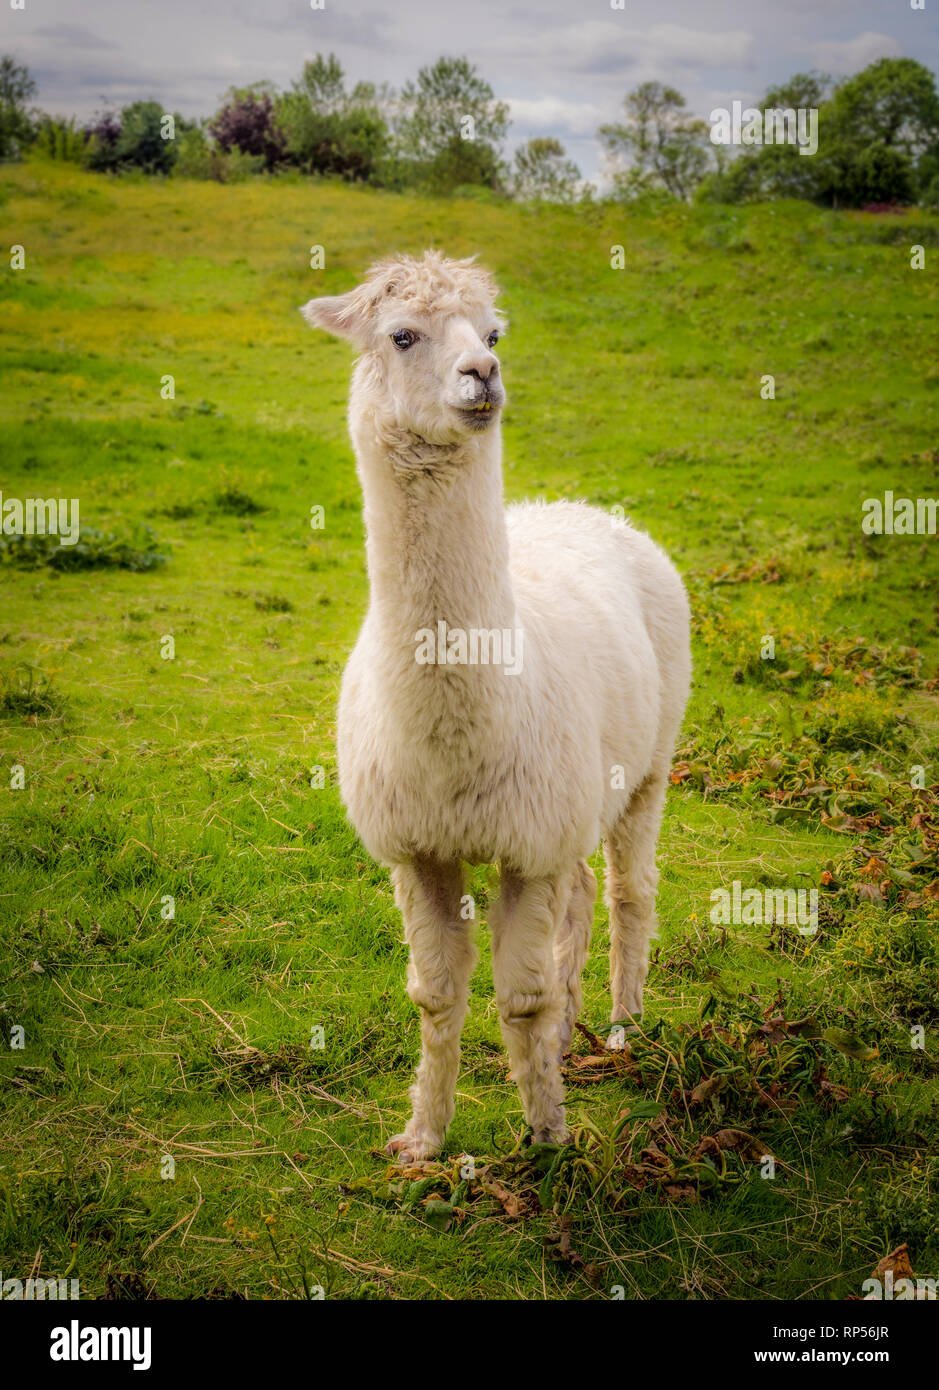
<point>181,910</point>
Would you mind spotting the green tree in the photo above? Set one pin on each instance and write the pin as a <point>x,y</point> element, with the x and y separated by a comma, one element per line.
<point>659,146</point>
<point>451,129</point>
<point>808,90</point>
<point>878,141</point>
<point>141,141</point>
<point>327,130</point>
<point>323,83</point>
<point>542,173</point>
<point>17,128</point>
<point>885,133</point>
<point>892,102</point>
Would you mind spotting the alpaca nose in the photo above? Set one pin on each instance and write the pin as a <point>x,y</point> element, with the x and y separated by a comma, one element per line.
<point>481,365</point>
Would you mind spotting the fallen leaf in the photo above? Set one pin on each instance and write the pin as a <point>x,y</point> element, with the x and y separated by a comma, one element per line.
<point>706,1089</point>
<point>805,1028</point>
<point>595,1042</point>
<point>511,1203</point>
<point>745,1144</point>
<point>680,1192</point>
<point>897,1262</point>
<point>558,1241</point>
<point>438,1214</point>
<point>610,1061</point>
<point>850,1044</point>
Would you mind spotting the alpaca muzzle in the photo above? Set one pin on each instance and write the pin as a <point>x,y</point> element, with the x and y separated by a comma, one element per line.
<point>486,400</point>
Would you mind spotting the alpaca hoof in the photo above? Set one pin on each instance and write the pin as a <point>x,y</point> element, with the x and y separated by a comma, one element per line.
<point>407,1148</point>
<point>555,1135</point>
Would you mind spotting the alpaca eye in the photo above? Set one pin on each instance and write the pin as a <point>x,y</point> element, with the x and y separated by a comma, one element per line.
<point>493,338</point>
<point>404,339</point>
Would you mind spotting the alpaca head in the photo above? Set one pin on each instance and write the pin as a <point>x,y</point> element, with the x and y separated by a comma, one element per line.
<point>426,330</point>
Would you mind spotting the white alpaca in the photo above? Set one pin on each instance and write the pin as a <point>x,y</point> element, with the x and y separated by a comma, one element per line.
<point>452,761</point>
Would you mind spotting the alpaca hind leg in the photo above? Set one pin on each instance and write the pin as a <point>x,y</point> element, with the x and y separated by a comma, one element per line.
<point>631,881</point>
<point>524,922</point>
<point>571,946</point>
<point>442,956</point>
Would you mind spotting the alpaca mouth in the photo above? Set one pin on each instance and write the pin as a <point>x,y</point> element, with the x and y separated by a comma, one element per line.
<point>481,414</point>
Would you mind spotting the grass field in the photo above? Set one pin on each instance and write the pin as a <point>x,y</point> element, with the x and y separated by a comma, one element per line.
<point>157,1030</point>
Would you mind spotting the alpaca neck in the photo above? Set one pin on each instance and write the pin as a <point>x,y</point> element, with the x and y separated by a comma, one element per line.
<point>436,540</point>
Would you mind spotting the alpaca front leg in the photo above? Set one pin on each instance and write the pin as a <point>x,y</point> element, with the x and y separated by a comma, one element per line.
<point>524,922</point>
<point>428,894</point>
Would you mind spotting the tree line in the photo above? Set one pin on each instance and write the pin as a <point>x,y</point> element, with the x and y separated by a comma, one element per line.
<point>444,133</point>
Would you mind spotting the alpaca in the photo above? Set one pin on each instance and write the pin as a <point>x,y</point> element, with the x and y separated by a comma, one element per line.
<point>445,760</point>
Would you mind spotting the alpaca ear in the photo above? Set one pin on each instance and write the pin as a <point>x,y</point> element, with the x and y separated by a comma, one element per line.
<point>340,314</point>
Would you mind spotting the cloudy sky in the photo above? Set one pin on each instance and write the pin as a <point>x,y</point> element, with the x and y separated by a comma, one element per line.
<point>562,65</point>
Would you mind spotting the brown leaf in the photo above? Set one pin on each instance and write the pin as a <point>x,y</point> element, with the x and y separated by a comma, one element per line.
<point>708,1148</point>
<point>680,1192</point>
<point>608,1062</point>
<point>654,1157</point>
<point>898,1261</point>
<point>633,1174</point>
<point>411,1172</point>
<point>772,1097</point>
<point>706,1089</point>
<point>512,1204</point>
<point>874,868</point>
<point>558,1241</point>
<point>595,1042</point>
<point>738,1139</point>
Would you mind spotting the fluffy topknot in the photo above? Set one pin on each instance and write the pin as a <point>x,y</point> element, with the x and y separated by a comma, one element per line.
<point>432,284</point>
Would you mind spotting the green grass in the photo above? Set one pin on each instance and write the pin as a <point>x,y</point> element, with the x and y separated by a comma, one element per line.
<point>149,1035</point>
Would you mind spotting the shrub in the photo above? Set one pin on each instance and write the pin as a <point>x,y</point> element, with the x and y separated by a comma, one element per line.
<point>102,137</point>
<point>246,124</point>
<point>197,158</point>
<point>239,166</point>
<point>141,141</point>
<point>858,719</point>
<point>879,174</point>
<point>350,143</point>
<point>929,198</point>
<point>94,550</point>
<point>58,139</point>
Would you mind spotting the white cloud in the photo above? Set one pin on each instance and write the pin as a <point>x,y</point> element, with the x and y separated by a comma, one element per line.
<point>73,36</point>
<point>725,99</point>
<point>607,46</point>
<point>850,55</point>
<point>702,48</point>
<point>548,114</point>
